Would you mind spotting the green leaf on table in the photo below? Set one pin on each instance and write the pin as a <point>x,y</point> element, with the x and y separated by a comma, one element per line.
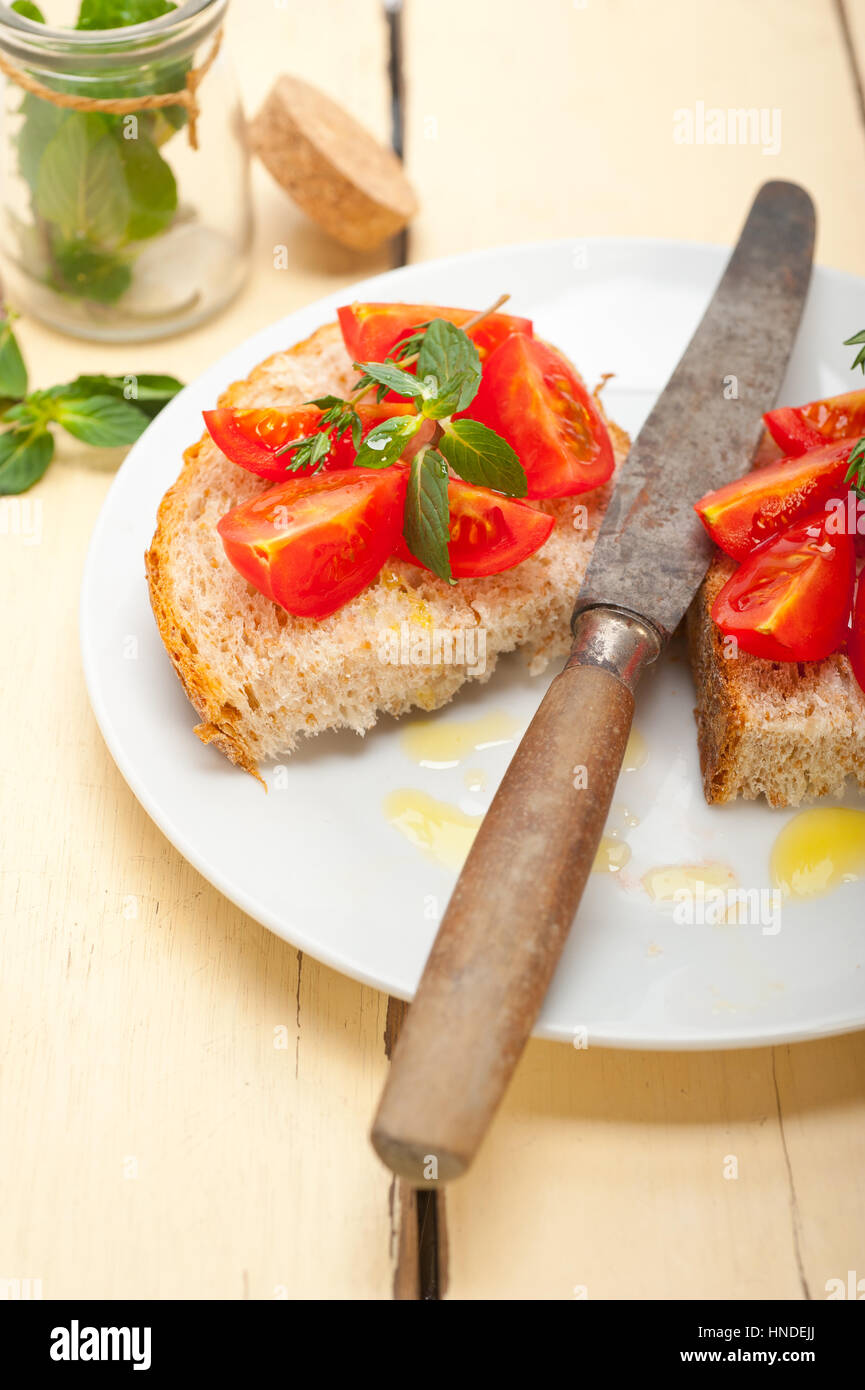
<point>392,377</point>
<point>385,443</point>
<point>24,456</point>
<point>479,455</point>
<point>28,10</point>
<point>117,14</point>
<point>149,392</point>
<point>152,188</point>
<point>449,356</point>
<point>426,518</point>
<point>13,372</point>
<point>103,421</point>
<point>81,187</point>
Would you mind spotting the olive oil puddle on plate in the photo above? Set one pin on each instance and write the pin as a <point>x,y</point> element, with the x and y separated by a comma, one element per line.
<point>444,743</point>
<point>662,884</point>
<point>819,850</point>
<point>440,830</point>
<point>443,832</point>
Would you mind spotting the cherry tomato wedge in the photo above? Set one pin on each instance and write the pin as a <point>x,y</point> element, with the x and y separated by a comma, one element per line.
<point>250,438</point>
<point>371,331</point>
<point>790,600</point>
<point>808,426</point>
<point>856,638</point>
<point>489,533</point>
<point>312,544</point>
<point>532,397</point>
<point>743,514</point>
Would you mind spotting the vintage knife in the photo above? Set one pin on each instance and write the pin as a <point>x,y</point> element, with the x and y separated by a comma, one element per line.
<point>512,908</point>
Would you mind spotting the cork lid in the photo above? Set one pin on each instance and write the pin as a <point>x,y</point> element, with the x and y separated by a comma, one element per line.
<point>332,167</point>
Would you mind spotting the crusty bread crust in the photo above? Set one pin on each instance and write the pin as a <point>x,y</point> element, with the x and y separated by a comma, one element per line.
<point>784,730</point>
<point>258,677</point>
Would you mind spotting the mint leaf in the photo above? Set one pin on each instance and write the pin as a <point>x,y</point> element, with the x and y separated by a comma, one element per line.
<point>13,373</point>
<point>394,378</point>
<point>384,444</point>
<point>152,188</point>
<point>28,10</point>
<point>92,274</point>
<point>481,456</point>
<point>426,517</point>
<point>81,186</point>
<point>24,456</point>
<point>449,356</point>
<point>102,420</point>
<point>860,356</point>
<point>148,392</point>
<point>856,468</point>
<point>447,400</point>
<point>41,122</point>
<point>116,14</point>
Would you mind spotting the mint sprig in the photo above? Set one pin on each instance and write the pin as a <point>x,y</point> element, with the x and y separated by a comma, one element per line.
<point>448,359</point>
<point>856,469</point>
<point>116,14</point>
<point>448,374</point>
<point>98,182</point>
<point>480,456</point>
<point>104,411</point>
<point>426,520</point>
<point>389,377</point>
<point>859,360</point>
<point>24,456</point>
<point>13,372</point>
<point>385,444</point>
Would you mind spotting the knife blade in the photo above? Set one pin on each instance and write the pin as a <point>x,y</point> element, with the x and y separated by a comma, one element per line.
<point>512,908</point>
<point>652,552</point>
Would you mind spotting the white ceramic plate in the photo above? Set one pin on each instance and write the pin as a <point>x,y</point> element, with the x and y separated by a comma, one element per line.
<point>318,862</point>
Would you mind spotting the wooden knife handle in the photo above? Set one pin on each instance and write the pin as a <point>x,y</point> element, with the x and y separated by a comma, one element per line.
<point>511,911</point>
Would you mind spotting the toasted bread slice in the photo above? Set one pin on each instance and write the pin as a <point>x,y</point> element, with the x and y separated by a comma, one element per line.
<point>258,677</point>
<point>784,730</point>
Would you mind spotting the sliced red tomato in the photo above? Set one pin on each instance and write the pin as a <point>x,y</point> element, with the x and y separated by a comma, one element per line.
<point>312,544</point>
<point>489,533</point>
<point>790,600</point>
<point>250,438</point>
<point>744,514</point>
<point>532,396</point>
<point>798,429</point>
<point>856,637</point>
<point>371,331</point>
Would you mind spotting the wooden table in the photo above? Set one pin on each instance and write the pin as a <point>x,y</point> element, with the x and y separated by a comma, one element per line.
<point>155,1142</point>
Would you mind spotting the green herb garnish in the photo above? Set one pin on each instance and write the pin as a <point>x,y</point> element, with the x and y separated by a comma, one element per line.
<point>446,380</point>
<point>856,470</point>
<point>856,464</point>
<point>427,514</point>
<point>859,360</point>
<point>105,411</point>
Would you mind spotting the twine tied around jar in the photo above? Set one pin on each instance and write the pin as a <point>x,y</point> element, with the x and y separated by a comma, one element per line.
<point>123,106</point>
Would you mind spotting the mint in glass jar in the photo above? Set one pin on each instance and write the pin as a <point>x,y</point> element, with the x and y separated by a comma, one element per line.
<point>126,209</point>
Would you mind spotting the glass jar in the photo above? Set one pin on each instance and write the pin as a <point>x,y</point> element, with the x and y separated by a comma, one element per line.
<point>129,223</point>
